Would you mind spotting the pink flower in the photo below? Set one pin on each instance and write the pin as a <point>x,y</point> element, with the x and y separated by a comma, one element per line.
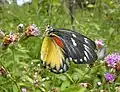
<point>32,30</point>
<point>99,43</point>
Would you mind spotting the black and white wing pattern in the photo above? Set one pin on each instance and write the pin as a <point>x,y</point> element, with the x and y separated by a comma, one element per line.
<point>77,47</point>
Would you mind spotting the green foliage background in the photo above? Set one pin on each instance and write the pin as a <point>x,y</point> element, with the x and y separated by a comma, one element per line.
<point>22,61</point>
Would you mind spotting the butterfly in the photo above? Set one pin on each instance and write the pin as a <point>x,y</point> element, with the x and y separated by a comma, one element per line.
<point>60,46</point>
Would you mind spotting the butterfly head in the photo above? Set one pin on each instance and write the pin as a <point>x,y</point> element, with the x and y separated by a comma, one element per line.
<point>48,29</point>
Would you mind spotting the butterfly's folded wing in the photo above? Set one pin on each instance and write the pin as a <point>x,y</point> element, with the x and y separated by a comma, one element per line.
<point>79,48</point>
<point>53,56</point>
<point>62,46</point>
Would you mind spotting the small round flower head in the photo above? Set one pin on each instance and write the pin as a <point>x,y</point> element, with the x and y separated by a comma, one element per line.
<point>112,59</point>
<point>20,28</point>
<point>32,30</point>
<point>109,77</point>
<point>99,43</point>
<point>22,2</point>
<point>117,89</point>
<point>84,85</point>
<point>54,89</point>
<point>2,70</point>
<point>23,90</point>
<point>99,83</point>
<point>8,39</point>
<point>13,37</point>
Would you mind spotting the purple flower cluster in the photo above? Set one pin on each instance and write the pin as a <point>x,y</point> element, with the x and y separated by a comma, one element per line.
<point>112,60</point>
<point>109,77</point>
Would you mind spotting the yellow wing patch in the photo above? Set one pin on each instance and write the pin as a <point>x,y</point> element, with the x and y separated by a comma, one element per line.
<point>52,54</point>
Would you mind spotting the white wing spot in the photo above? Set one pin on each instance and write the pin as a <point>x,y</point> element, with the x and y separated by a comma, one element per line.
<point>67,61</point>
<point>74,35</point>
<point>87,49</point>
<point>86,54</point>
<point>85,58</point>
<point>64,67</point>
<point>70,58</point>
<point>75,60</point>
<point>86,40</point>
<point>73,41</point>
<point>54,70</point>
<point>81,60</point>
<point>41,56</point>
<point>61,70</point>
<point>43,63</point>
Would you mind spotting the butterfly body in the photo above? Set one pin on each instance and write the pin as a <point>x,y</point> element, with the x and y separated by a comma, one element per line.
<point>60,46</point>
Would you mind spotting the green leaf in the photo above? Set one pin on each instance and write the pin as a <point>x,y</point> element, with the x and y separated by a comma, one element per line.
<point>29,79</point>
<point>65,84</point>
<point>42,89</point>
<point>111,30</point>
<point>62,77</point>
<point>74,89</point>
<point>96,26</point>
<point>75,76</point>
<point>15,89</point>
<point>56,2</point>
<point>82,74</point>
<point>90,6</point>
<point>70,78</point>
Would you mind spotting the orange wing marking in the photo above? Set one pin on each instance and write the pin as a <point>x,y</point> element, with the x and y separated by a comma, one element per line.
<point>58,41</point>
